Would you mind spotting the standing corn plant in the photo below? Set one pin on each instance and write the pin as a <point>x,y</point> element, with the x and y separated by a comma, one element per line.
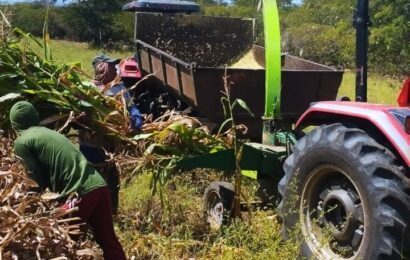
<point>229,105</point>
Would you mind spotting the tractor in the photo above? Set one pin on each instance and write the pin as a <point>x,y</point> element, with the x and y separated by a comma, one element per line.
<point>340,168</point>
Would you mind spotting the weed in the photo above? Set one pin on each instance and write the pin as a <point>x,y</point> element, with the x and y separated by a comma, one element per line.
<point>179,230</point>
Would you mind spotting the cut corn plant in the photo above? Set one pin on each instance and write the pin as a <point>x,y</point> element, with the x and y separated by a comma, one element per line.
<point>171,138</point>
<point>55,90</point>
<point>31,227</point>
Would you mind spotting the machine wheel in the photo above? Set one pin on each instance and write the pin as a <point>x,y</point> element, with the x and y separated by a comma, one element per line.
<point>346,196</point>
<point>218,201</point>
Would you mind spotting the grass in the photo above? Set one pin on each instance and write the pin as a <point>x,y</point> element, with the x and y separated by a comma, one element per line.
<point>75,52</point>
<point>381,90</point>
<point>178,230</point>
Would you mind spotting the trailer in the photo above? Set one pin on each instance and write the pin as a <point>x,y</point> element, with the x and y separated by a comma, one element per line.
<point>193,67</point>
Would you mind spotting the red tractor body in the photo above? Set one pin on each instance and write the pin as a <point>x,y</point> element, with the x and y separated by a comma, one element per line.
<point>392,122</point>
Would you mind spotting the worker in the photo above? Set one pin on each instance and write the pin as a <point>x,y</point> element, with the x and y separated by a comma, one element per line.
<point>55,163</point>
<point>106,70</point>
<point>112,77</point>
<point>93,147</point>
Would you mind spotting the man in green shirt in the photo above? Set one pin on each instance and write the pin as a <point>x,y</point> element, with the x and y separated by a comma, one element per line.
<point>55,163</point>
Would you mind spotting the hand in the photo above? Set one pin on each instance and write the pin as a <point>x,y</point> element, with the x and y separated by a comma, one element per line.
<point>71,203</point>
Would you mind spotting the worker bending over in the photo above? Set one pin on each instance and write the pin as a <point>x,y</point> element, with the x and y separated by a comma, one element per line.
<point>55,163</point>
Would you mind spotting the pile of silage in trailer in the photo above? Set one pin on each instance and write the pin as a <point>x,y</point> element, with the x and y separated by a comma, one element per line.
<point>58,91</point>
<point>30,227</point>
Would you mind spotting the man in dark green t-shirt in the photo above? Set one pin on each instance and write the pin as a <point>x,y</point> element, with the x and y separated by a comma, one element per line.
<point>55,163</point>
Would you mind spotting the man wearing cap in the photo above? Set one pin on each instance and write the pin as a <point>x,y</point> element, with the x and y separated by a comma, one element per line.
<point>105,70</point>
<point>93,148</point>
<point>55,163</point>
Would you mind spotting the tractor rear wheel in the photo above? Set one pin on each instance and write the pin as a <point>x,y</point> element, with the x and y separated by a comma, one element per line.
<point>218,203</point>
<point>346,196</point>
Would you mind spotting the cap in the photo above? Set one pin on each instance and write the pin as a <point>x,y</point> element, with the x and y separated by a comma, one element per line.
<point>103,58</point>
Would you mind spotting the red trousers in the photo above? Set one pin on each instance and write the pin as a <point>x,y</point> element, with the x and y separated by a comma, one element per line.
<point>95,209</point>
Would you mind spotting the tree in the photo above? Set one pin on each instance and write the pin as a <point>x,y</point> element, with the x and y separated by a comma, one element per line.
<point>390,36</point>
<point>255,3</point>
<point>93,19</point>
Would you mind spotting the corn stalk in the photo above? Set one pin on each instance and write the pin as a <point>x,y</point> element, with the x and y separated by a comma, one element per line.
<point>229,105</point>
<point>171,138</point>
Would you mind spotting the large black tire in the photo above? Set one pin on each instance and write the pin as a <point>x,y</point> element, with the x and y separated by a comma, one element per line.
<point>345,196</point>
<point>218,203</point>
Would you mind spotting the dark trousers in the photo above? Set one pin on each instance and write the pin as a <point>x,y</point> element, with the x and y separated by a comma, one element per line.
<point>95,210</point>
<point>108,171</point>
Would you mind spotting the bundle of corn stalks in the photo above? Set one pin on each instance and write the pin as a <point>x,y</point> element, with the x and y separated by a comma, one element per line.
<point>168,139</point>
<point>57,91</point>
<point>30,227</point>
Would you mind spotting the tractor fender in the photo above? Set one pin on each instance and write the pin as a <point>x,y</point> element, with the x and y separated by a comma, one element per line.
<point>355,112</point>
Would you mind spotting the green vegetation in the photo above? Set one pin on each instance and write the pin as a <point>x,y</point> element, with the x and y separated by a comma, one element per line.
<point>318,30</point>
<point>58,91</point>
<point>99,22</point>
<point>381,90</point>
<point>321,30</point>
<point>149,231</point>
<point>75,52</point>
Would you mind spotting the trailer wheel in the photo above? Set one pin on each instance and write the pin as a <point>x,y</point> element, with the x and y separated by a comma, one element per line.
<point>345,196</point>
<point>218,201</point>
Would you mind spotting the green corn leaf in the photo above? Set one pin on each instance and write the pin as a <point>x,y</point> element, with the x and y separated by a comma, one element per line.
<point>242,104</point>
<point>227,121</point>
<point>177,128</point>
<point>224,102</point>
<point>10,96</point>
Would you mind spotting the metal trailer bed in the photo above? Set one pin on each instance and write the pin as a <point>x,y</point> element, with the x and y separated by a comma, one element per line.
<point>199,81</point>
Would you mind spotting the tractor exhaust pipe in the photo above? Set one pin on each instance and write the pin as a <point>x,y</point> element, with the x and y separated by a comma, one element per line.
<point>361,22</point>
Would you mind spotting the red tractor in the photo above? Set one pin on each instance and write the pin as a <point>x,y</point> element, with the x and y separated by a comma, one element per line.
<point>352,172</point>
